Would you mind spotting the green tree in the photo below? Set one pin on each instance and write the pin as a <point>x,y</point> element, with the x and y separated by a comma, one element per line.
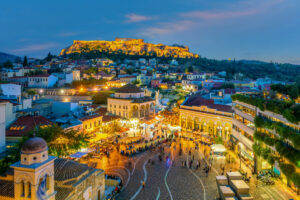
<point>49,57</point>
<point>60,142</point>
<point>25,62</point>
<point>31,92</point>
<point>294,91</point>
<point>7,64</point>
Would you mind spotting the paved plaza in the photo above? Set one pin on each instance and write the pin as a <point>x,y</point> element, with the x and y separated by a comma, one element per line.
<point>168,180</point>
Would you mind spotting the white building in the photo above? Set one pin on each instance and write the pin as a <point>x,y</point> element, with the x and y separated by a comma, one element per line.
<point>73,76</point>
<point>11,90</point>
<point>42,81</point>
<point>63,108</point>
<point>195,76</point>
<point>2,127</point>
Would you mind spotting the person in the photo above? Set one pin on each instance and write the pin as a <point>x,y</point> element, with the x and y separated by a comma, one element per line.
<point>206,171</point>
<point>223,170</point>
<point>199,163</point>
<point>143,184</point>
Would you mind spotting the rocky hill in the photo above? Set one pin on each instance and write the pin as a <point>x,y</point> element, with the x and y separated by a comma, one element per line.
<point>129,46</point>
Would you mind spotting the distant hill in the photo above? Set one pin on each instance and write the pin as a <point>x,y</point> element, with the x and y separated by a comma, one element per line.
<point>129,46</point>
<point>5,57</point>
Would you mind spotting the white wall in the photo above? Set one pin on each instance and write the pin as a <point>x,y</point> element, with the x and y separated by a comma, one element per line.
<point>10,114</point>
<point>61,108</point>
<point>11,89</point>
<point>2,128</point>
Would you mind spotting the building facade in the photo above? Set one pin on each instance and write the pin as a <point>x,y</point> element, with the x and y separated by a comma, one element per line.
<point>243,131</point>
<point>202,116</point>
<point>42,81</point>
<point>130,101</point>
<point>2,127</point>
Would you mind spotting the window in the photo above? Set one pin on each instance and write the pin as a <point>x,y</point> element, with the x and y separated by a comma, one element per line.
<point>34,158</point>
<point>22,188</point>
<point>47,182</point>
<point>29,190</point>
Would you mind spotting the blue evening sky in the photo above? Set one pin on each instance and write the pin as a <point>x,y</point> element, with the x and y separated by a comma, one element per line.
<point>242,29</point>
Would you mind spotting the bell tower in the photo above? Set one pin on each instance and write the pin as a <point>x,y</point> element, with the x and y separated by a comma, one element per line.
<point>34,173</point>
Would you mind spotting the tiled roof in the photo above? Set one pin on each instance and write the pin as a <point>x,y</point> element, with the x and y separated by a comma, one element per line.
<point>129,88</point>
<point>101,111</point>
<point>199,101</point>
<point>107,118</point>
<point>89,117</point>
<point>40,75</point>
<point>62,192</point>
<point>65,169</point>
<point>7,188</point>
<point>24,124</point>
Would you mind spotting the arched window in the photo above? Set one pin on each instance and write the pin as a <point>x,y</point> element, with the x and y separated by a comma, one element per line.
<point>47,182</point>
<point>22,188</point>
<point>29,190</point>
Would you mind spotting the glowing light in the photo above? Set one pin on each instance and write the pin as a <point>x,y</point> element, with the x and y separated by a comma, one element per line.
<point>62,91</point>
<point>95,89</point>
<point>81,89</point>
<point>41,90</point>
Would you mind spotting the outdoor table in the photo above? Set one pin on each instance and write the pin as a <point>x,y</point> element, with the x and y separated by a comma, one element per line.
<point>226,191</point>
<point>234,176</point>
<point>245,197</point>
<point>240,186</point>
<point>221,180</point>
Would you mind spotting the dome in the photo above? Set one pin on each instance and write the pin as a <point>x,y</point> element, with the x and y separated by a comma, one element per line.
<point>129,88</point>
<point>34,145</point>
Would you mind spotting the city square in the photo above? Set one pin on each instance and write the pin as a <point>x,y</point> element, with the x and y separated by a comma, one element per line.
<point>144,100</point>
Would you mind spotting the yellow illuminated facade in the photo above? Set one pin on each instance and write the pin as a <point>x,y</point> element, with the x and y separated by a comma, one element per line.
<point>92,123</point>
<point>129,101</point>
<point>131,47</point>
<point>202,116</point>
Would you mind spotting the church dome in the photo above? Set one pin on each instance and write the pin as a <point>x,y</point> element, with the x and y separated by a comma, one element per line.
<point>34,145</point>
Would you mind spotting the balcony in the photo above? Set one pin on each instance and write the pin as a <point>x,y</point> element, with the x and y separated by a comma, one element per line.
<point>245,105</point>
<point>243,126</point>
<point>244,115</point>
<point>248,143</point>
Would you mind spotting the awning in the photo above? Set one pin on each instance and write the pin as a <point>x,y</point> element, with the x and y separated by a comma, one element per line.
<point>218,148</point>
<point>246,154</point>
<point>78,154</point>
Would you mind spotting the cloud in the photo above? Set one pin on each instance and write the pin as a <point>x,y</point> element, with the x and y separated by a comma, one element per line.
<point>34,48</point>
<point>245,8</point>
<point>218,15</point>
<point>67,34</point>
<point>195,19</point>
<point>133,18</point>
<point>166,28</point>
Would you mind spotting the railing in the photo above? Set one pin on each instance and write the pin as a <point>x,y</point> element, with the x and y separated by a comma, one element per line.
<point>242,139</point>
<point>244,115</point>
<point>243,126</point>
